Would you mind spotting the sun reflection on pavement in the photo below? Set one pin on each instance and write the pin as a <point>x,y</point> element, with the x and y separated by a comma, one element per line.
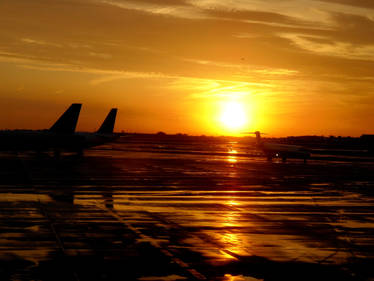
<point>229,277</point>
<point>232,159</point>
<point>230,240</point>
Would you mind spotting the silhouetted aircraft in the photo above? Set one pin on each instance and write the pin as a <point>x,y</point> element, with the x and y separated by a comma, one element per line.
<point>61,136</point>
<point>284,151</point>
<point>103,135</point>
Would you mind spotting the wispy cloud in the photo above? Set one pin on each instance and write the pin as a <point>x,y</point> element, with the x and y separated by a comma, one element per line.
<point>304,10</point>
<point>39,42</point>
<point>325,46</point>
<point>211,86</point>
<point>100,55</point>
<point>159,8</point>
<point>354,3</point>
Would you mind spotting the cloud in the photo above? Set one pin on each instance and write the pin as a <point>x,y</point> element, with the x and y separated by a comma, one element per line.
<point>354,3</point>
<point>327,47</point>
<point>235,10</point>
<point>219,45</point>
<point>353,29</point>
<point>158,2</point>
<point>167,8</point>
<point>106,76</point>
<point>258,16</point>
<point>243,40</point>
<point>39,42</point>
<point>100,55</point>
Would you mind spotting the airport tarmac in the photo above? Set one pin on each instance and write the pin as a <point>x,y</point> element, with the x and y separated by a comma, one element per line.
<point>136,211</point>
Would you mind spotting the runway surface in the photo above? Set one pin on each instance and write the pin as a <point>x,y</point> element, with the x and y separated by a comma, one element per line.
<point>137,211</point>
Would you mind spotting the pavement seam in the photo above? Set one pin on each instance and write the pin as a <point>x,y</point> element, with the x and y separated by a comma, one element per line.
<point>28,178</point>
<point>175,259</point>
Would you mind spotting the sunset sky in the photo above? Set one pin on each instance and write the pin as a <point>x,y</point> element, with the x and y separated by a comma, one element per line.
<point>292,67</point>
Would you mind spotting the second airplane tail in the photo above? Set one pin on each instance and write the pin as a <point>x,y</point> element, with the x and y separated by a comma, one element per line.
<point>258,136</point>
<point>67,123</point>
<point>108,124</point>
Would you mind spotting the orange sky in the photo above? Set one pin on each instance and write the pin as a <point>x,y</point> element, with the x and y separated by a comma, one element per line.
<point>296,66</point>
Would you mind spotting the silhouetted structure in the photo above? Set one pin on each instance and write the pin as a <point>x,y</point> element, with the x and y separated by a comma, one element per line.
<point>61,136</point>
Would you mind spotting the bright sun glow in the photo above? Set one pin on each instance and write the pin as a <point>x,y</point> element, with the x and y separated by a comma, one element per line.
<point>233,116</point>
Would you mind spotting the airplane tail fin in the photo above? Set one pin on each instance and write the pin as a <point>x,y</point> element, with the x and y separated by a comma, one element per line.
<point>68,121</point>
<point>258,136</point>
<point>108,124</point>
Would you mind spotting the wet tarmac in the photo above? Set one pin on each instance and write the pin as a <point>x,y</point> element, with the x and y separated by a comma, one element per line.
<point>135,211</point>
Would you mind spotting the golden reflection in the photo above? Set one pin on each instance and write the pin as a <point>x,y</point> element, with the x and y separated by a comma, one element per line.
<point>231,159</point>
<point>232,203</point>
<point>229,277</point>
<point>232,240</point>
<point>229,239</point>
<point>232,245</point>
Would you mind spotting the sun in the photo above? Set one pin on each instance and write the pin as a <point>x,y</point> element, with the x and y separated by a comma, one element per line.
<point>233,116</point>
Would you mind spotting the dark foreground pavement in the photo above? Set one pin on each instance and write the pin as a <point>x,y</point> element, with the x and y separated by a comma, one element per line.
<point>116,215</point>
